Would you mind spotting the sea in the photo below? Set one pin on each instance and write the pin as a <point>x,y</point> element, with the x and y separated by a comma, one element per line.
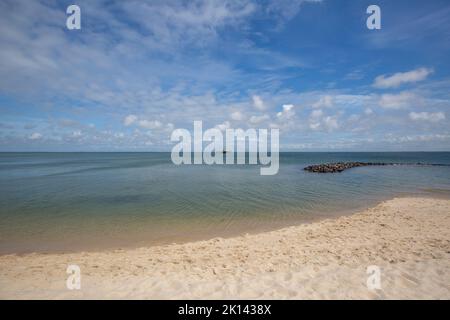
<point>67,202</point>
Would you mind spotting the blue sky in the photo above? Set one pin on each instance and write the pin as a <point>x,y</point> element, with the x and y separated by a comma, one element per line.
<point>139,69</point>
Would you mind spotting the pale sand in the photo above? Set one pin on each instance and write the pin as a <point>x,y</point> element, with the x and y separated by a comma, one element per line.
<point>408,238</point>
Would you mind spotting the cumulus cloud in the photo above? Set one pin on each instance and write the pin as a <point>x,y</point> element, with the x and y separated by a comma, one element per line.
<point>223,126</point>
<point>76,134</point>
<point>427,116</point>
<point>330,123</point>
<point>324,102</point>
<point>150,124</point>
<point>287,112</point>
<point>154,125</point>
<point>319,121</point>
<point>315,119</point>
<point>259,119</point>
<point>368,111</point>
<point>170,126</point>
<point>384,82</point>
<point>316,114</point>
<point>129,120</point>
<point>35,136</point>
<point>146,75</point>
<point>397,101</point>
<point>258,103</point>
<point>237,116</point>
<point>417,138</point>
<point>314,125</point>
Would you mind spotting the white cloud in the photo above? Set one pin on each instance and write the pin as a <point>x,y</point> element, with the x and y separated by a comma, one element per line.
<point>318,120</point>
<point>35,136</point>
<point>314,125</point>
<point>237,116</point>
<point>76,134</point>
<point>315,119</point>
<point>129,120</point>
<point>259,119</point>
<point>400,78</point>
<point>223,126</point>
<point>287,9</point>
<point>147,124</point>
<point>316,114</point>
<point>258,103</point>
<point>427,116</point>
<point>125,82</point>
<point>397,101</point>
<point>155,125</point>
<point>287,112</point>
<point>354,118</point>
<point>170,127</point>
<point>187,21</point>
<point>368,111</point>
<point>417,138</point>
<point>330,123</point>
<point>324,102</point>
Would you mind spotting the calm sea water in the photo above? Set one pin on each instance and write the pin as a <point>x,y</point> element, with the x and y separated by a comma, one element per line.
<point>85,201</point>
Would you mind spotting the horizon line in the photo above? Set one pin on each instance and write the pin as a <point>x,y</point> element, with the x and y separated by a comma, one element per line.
<point>282,151</point>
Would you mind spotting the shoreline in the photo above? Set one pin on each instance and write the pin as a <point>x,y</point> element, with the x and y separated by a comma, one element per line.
<point>246,229</point>
<point>408,238</point>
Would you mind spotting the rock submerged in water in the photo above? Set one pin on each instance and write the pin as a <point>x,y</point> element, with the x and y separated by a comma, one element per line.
<point>341,166</point>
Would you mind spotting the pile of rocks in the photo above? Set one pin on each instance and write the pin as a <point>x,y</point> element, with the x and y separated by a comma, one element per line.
<point>341,166</point>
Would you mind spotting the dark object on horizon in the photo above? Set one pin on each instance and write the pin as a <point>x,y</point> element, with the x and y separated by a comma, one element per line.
<point>341,166</point>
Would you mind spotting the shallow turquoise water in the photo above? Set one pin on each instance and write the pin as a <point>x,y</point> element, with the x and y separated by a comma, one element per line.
<point>79,201</point>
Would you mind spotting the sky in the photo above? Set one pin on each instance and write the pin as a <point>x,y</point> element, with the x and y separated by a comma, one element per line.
<point>139,69</point>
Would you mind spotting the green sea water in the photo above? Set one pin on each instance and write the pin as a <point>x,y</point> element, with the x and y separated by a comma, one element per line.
<point>91,201</point>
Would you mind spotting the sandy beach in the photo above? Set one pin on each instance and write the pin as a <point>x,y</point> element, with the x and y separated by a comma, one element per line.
<point>407,238</point>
